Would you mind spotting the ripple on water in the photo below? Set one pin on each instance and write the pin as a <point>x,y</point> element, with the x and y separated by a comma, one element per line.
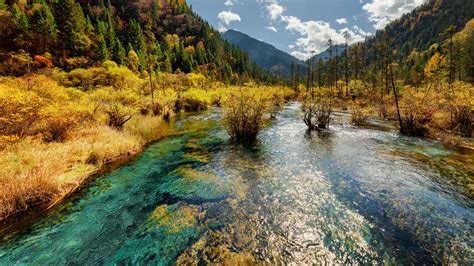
<point>346,195</point>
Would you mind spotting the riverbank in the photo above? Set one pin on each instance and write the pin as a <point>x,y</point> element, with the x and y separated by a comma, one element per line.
<point>37,175</point>
<point>55,132</point>
<point>348,195</point>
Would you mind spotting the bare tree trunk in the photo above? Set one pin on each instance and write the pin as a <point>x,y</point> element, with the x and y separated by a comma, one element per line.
<point>396,101</point>
<point>152,90</point>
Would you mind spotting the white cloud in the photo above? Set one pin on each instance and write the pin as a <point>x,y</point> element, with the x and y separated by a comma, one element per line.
<point>275,10</point>
<point>315,35</point>
<point>381,12</point>
<point>228,16</point>
<point>341,20</point>
<point>229,3</point>
<point>271,28</point>
<point>299,55</point>
<point>221,29</point>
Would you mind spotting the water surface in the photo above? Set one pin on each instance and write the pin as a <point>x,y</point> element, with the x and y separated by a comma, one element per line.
<point>347,196</point>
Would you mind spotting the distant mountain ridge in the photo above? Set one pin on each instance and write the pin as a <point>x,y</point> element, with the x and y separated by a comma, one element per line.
<point>265,55</point>
<point>325,55</point>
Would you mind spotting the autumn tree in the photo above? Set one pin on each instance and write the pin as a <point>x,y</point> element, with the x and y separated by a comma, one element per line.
<point>433,68</point>
<point>133,61</point>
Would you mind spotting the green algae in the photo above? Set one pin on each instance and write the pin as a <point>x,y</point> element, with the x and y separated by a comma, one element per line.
<point>174,219</point>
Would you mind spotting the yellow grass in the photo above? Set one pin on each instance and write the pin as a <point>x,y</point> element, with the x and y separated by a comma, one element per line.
<point>35,172</point>
<point>53,137</point>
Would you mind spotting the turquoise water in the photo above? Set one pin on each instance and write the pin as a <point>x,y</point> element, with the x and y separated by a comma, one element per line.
<point>346,196</point>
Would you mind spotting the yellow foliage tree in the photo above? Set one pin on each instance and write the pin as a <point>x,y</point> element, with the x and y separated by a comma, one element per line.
<point>434,67</point>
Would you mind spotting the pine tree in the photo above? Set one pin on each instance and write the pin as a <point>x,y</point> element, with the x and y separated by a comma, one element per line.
<point>135,36</point>
<point>346,61</point>
<point>89,26</point>
<point>43,22</point>
<point>21,19</point>
<point>103,50</point>
<point>118,52</point>
<point>22,24</point>
<point>71,26</point>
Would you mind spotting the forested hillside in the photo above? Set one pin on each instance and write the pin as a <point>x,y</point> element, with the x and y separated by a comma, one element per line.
<point>411,41</point>
<point>163,35</point>
<point>423,63</point>
<point>265,55</point>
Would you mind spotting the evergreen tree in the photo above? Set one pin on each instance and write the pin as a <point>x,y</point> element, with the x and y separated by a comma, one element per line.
<point>103,50</point>
<point>21,19</point>
<point>71,27</point>
<point>151,58</point>
<point>119,53</point>
<point>346,61</point>
<point>135,36</point>
<point>43,22</point>
<point>22,24</point>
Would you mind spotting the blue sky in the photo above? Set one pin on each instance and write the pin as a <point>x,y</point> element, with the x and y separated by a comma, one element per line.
<point>301,27</point>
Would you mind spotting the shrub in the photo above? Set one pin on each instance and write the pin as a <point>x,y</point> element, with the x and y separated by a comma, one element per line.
<point>460,103</point>
<point>317,108</point>
<point>38,105</point>
<point>117,116</point>
<point>195,100</point>
<point>76,62</point>
<point>243,116</point>
<point>417,110</point>
<point>58,119</point>
<point>19,111</point>
<point>359,115</point>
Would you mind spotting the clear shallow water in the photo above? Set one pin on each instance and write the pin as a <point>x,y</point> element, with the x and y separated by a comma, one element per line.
<point>347,196</point>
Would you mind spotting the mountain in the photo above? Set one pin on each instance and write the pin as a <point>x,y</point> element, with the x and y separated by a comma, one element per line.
<point>326,54</point>
<point>425,26</point>
<point>410,41</point>
<point>264,54</point>
<point>82,33</point>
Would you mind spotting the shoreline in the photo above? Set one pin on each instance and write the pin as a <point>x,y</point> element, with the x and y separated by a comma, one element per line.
<point>28,216</point>
<point>444,137</point>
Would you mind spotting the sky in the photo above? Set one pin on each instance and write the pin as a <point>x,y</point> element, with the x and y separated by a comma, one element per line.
<point>302,27</point>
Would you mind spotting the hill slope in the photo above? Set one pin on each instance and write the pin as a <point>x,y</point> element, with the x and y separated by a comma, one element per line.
<point>264,54</point>
<point>411,42</point>
<point>81,33</point>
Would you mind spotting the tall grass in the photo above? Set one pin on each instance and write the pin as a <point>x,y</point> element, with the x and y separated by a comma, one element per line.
<point>35,172</point>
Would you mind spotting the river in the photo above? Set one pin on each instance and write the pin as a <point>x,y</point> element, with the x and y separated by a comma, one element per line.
<point>348,195</point>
